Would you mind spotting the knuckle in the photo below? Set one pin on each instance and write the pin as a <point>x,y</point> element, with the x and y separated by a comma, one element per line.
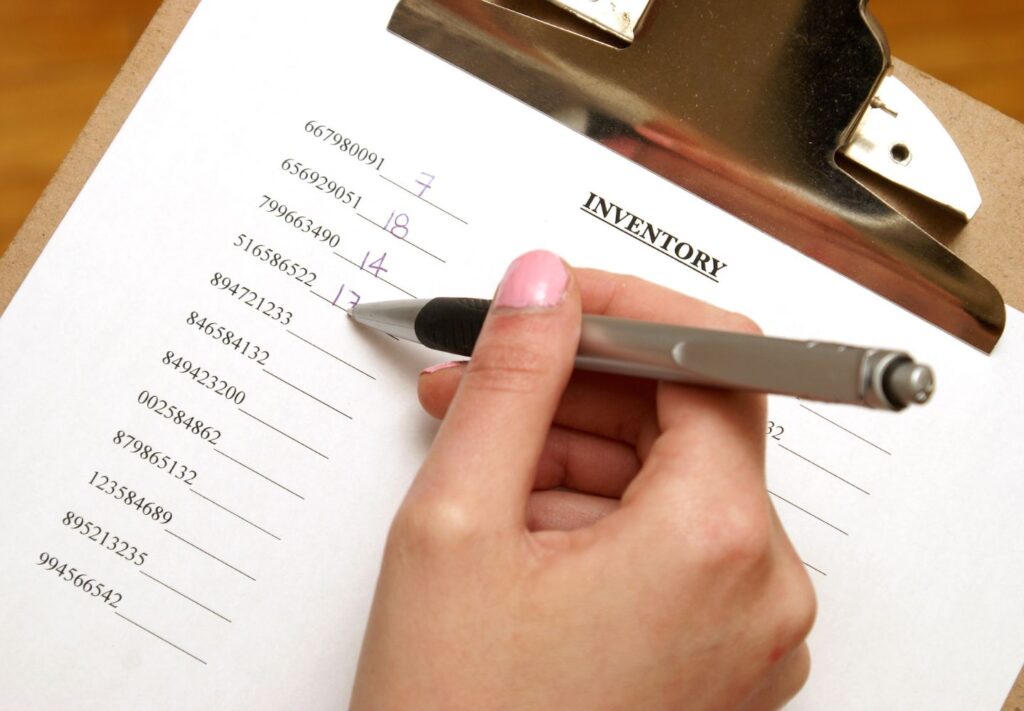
<point>739,540</point>
<point>795,674</point>
<point>512,368</point>
<point>801,671</point>
<point>800,610</point>
<point>433,527</point>
<point>792,613</point>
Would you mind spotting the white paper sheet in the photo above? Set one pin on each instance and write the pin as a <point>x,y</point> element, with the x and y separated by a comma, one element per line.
<point>254,595</point>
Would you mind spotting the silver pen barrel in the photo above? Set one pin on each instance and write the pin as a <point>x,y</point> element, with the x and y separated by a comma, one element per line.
<point>826,372</point>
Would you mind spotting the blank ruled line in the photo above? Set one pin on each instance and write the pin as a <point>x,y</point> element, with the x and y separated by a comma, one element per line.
<point>343,257</point>
<point>816,570</point>
<point>849,432</point>
<point>379,227</point>
<point>801,508</point>
<point>206,552</point>
<point>423,199</point>
<point>429,254</point>
<point>830,473</point>
<point>283,434</point>
<point>236,515</point>
<point>261,475</point>
<point>179,592</point>
<point>312,397</point>
<point>403,241</point>
<point>165,641</point>
<point>327,352</point>
<point>375,276</point>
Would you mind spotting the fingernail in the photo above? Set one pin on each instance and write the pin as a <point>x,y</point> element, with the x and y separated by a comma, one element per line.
<point>536,279</point>
<point>441,366</point>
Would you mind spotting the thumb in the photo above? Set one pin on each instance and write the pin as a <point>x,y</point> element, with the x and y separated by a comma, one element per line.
<point>486,452</point>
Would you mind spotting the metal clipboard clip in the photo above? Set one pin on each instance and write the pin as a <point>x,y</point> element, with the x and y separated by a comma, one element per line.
<point>747,105</point>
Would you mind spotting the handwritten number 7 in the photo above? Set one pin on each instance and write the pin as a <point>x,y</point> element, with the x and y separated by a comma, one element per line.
<point>425,181</point>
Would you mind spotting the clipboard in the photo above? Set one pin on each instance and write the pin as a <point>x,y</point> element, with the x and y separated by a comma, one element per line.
<point>992,143</point>
<point>754,109</point>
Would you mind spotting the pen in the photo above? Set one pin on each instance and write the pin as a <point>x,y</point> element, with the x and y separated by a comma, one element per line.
<point>827,372</point>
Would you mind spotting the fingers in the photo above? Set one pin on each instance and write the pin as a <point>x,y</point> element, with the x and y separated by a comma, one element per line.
<point>576,460</point>
<point>783,682</point>
<point>627,409</point>
<point>787,610</point>
<point>566,510</point>
<point>709,438</point>
<point>711,449</point>
<point>482,464</point>
<point>790,615</point>
<point>585,463</point>
<point>581,461</point>
<point>614,407</point>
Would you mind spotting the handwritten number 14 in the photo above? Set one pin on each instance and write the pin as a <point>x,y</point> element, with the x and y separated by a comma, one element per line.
<point>376,266</point>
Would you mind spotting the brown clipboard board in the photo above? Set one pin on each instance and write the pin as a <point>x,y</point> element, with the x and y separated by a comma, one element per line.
<point>993,144</point>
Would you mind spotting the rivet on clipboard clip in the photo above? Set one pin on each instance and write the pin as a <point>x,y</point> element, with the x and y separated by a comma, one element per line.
<point>747,105</point>
<point>899,139</point>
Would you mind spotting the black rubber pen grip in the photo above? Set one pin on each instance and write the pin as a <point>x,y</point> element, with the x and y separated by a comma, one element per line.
<point>451,325</point>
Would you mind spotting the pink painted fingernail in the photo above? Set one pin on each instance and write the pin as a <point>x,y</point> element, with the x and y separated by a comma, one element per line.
<point>442,366</point>
<point>535,280</point>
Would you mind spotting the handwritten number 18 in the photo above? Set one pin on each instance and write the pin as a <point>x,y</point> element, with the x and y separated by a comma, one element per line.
<point>398,225</point>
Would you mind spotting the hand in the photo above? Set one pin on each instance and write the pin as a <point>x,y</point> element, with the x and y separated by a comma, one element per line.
<point>585,541</point>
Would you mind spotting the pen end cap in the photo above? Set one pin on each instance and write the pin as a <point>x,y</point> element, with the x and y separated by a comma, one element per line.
<point>911,383</point>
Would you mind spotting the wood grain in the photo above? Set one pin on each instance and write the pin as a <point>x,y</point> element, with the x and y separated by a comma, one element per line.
<point>975,45</point>
<point>57,59</point>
